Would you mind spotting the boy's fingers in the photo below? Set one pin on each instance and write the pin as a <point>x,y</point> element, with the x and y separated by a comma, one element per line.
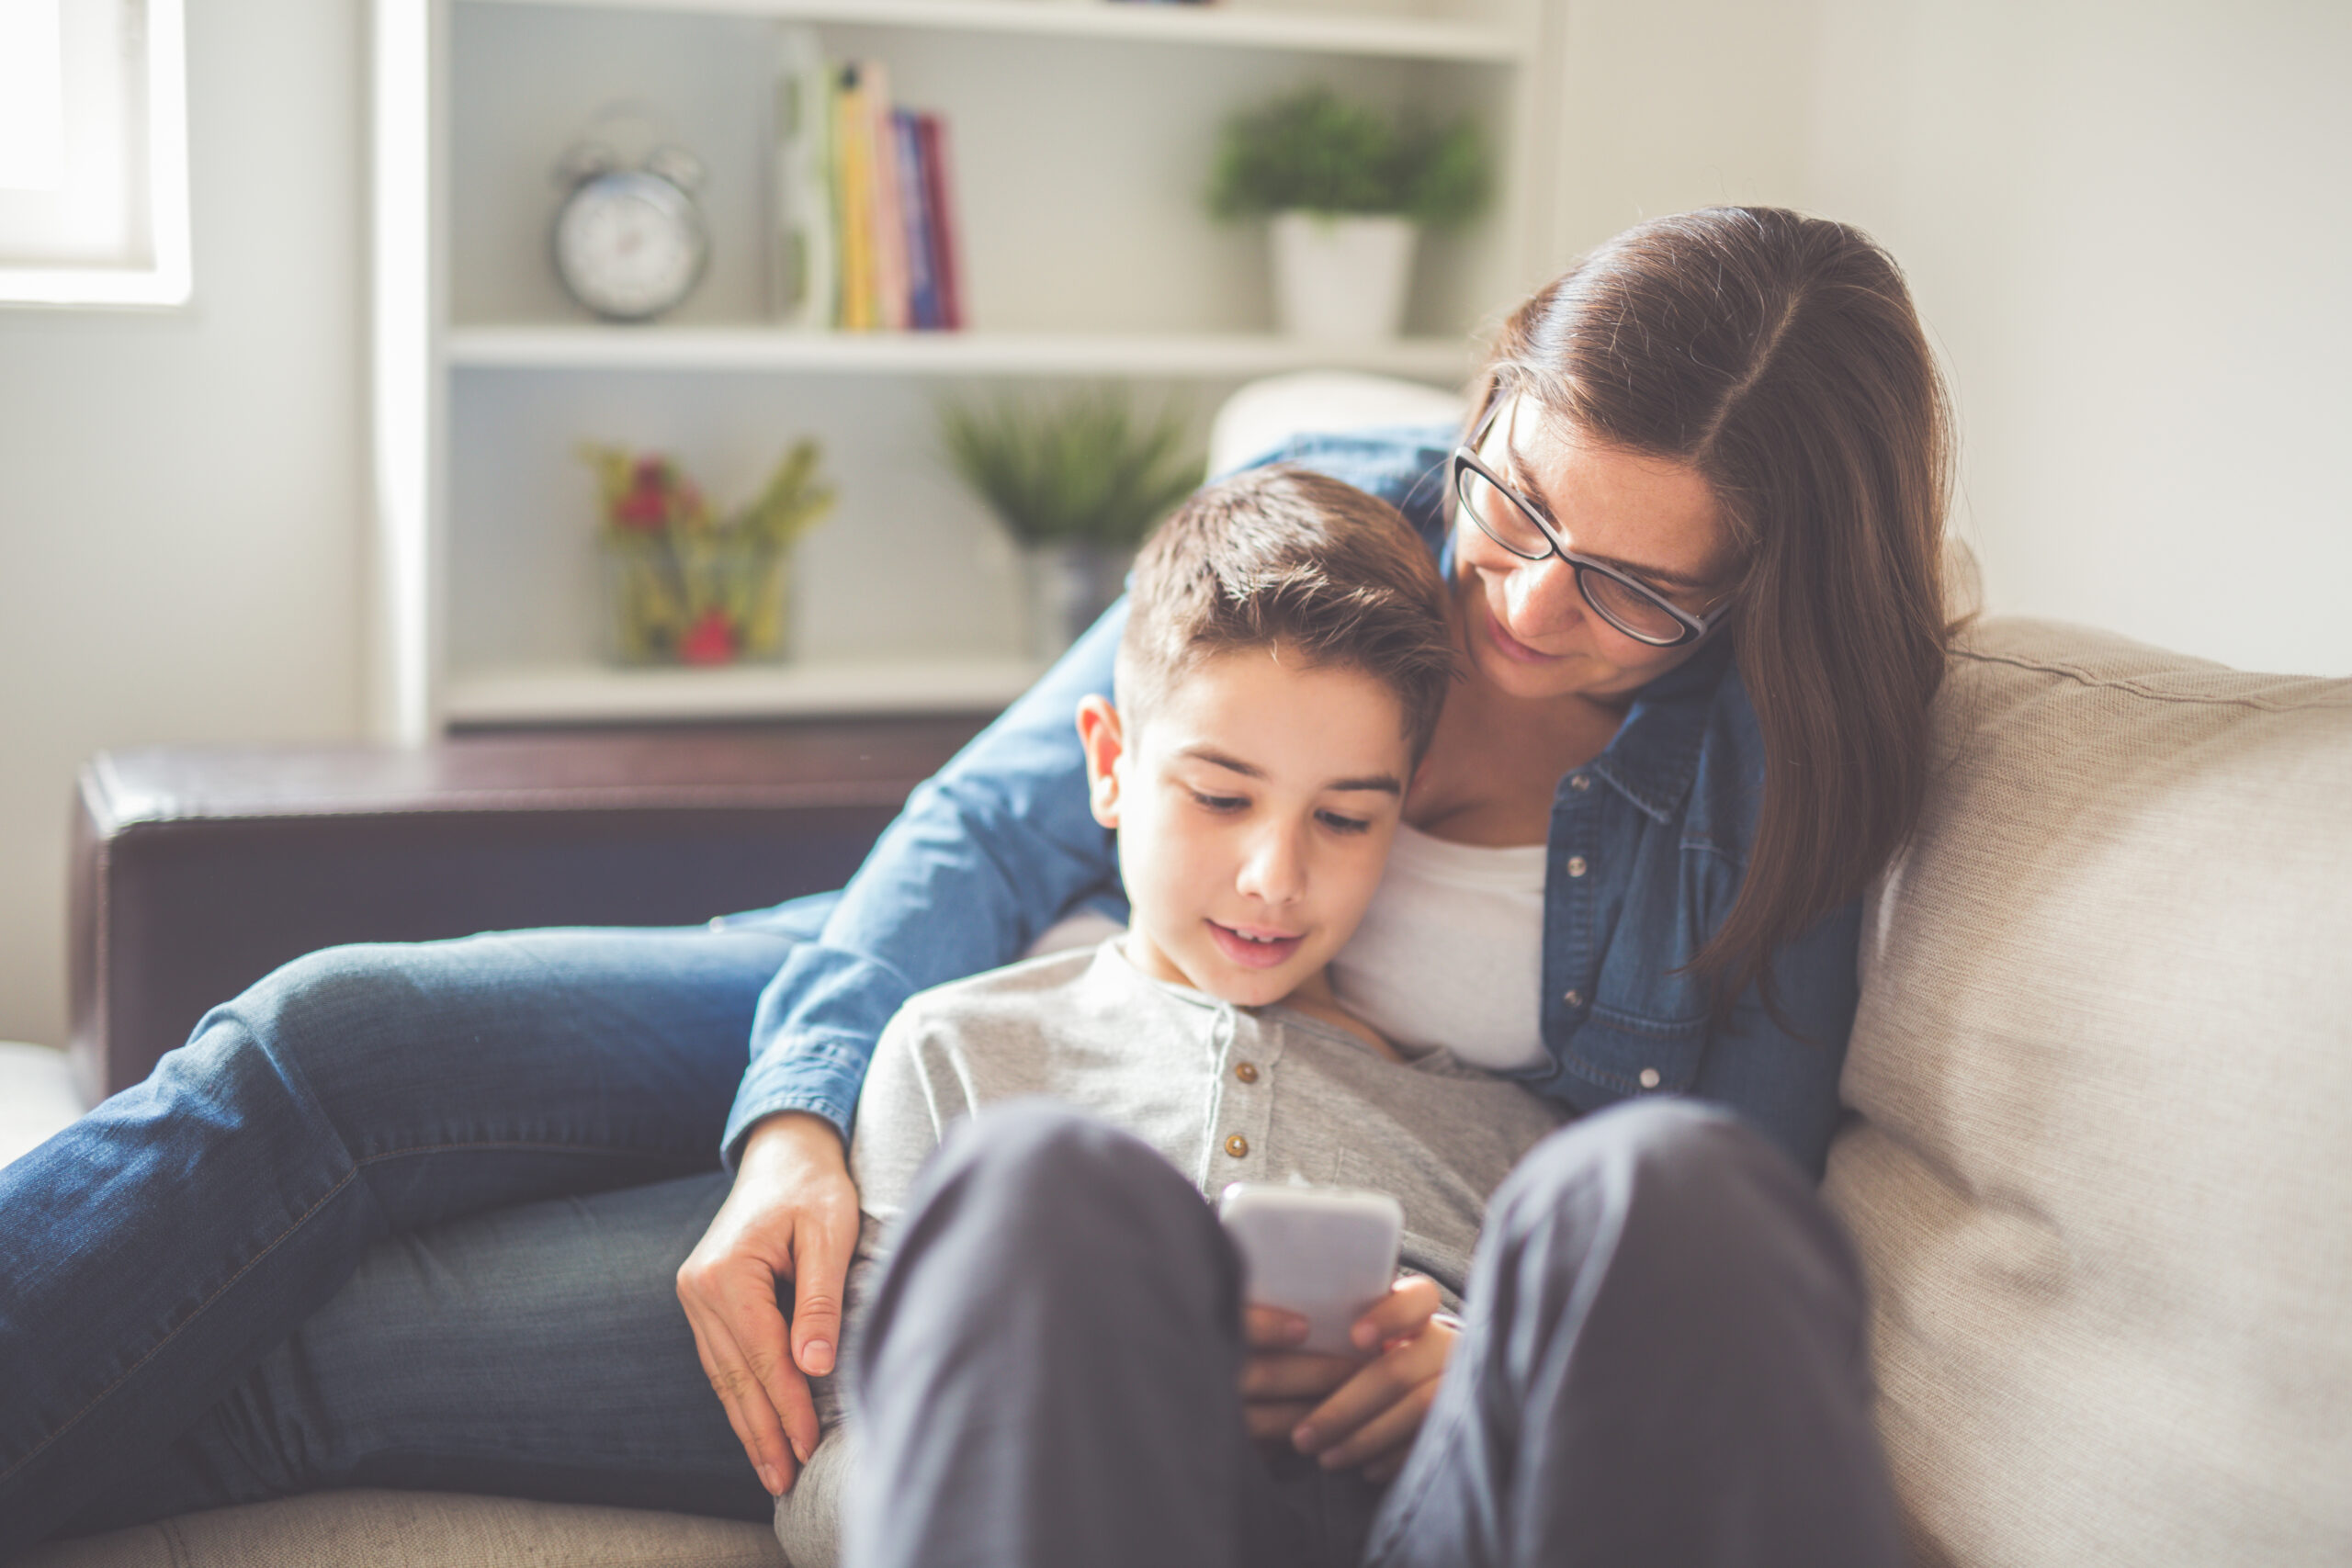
<point>1270,1328</point>
<point>1409,1303</point>
<point>1391,1430</point>
<point>1272,1420</point>
<point>1292,1375</point>
<point>1372,1391</point>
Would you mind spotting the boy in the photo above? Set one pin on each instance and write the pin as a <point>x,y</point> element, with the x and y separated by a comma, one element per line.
<point>1283,665</point>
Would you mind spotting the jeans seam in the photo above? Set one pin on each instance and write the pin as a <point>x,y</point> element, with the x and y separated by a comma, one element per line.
<point>1384,1542</point>
<point>254,1261</point>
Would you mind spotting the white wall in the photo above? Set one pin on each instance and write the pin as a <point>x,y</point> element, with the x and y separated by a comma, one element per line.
<point>180,493</point>
<point>2130,226</point>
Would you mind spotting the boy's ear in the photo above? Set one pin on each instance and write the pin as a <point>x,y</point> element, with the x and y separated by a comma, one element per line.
<point>1105,738</point>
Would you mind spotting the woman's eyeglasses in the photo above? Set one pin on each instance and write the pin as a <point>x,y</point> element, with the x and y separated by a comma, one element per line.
<point>1514,522</point>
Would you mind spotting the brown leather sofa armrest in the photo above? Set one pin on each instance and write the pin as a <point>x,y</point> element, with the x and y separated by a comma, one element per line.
<point>198,870</point>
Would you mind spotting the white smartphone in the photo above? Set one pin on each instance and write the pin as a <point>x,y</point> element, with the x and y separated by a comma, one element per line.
<point>1326,1253</point>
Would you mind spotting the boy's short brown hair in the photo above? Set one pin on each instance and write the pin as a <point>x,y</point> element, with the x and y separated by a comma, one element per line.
<point>1284,555</point>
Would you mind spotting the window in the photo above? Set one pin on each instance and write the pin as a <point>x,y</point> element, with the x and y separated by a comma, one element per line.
<point>93,153</point>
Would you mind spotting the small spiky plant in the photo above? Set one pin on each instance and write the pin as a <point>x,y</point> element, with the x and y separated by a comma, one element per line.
<point>1085,469</point>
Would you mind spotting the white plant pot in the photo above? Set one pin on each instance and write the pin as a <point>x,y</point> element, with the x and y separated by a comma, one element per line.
<point>1342,278</point>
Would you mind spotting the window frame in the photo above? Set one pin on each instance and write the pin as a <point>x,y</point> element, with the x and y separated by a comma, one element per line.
<point>165,276</point>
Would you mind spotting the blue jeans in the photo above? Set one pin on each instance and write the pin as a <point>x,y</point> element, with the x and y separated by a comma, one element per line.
<point>404,1216</point>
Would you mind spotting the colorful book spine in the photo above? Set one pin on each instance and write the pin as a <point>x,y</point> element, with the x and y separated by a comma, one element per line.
<point>887,230</point>
<point>946,261</point>
<point>914,211</point>
<point>853,140</point>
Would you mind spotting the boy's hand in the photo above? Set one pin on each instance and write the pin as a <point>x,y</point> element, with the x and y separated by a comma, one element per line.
<point>792,1214</point>
<point>1347,1412</point>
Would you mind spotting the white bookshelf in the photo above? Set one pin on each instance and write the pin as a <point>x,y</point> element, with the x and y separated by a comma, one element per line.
<point>1082,131</point>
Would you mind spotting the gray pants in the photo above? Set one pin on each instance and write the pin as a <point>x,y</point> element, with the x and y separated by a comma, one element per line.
<point>1662,1363</point>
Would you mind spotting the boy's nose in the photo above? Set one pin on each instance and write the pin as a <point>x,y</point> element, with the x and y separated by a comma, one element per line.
<point>1275,868</point>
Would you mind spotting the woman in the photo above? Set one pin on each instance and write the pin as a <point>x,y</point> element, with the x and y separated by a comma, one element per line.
<point>1704,613</point>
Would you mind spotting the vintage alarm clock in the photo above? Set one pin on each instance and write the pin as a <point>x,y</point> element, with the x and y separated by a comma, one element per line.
<point>630,239</point>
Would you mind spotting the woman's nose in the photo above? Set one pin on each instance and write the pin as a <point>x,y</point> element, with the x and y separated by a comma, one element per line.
<point>1542,598</point>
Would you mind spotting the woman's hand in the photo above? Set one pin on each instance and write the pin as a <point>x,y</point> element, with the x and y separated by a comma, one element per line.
<point>792,1214</point>
<point>1342,1410</point>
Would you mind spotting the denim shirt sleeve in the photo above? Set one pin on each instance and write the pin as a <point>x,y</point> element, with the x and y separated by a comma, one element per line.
<point>987,853</point>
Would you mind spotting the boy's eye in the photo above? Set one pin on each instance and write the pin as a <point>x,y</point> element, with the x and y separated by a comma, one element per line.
<point>1218,802</point>
<point>1338,824</point>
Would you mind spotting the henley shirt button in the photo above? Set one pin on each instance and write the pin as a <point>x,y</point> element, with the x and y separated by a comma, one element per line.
<point>1579,782</point>
<point>1649,1078</point>
<point>1573,999</point>
<point>1247,1072</point>
<point>1237,1146</point>
<point>1576,866</point>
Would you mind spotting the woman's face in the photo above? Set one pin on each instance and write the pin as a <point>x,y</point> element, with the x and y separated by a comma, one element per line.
<point>1530,632</point>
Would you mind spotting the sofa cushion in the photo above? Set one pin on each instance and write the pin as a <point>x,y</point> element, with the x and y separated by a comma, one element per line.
<point>420,1530</point>
<point>2102,1174</point>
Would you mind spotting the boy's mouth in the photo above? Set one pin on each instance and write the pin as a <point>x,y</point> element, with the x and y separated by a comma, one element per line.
<point>1253,950</point>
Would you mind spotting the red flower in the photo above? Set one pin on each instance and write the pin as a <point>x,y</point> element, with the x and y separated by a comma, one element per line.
<point>710,640</point>
<point>645,510</point>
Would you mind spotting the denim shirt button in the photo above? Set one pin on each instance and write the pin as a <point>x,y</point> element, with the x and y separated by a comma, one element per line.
<point>1579,782</point>
<point>1576,866</point>
<point>1573,999</point>
<point>1649,1078</point>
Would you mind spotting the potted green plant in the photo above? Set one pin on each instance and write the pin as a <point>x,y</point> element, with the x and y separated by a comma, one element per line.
<point>1078,481</point>
<point>1347,191</point>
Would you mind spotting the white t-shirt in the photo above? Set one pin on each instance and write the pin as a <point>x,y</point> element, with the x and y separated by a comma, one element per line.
<point>1451,951</point>
<point>1450,954</point>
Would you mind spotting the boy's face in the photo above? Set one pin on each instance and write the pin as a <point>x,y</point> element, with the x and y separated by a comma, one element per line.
<point>1255,810</point>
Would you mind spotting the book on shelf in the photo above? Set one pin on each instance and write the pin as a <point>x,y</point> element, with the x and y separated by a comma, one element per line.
<point>864,233</point>
<point>939,220</point>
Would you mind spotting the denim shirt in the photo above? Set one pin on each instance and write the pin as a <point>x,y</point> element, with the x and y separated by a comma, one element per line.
<point>1647,846</point>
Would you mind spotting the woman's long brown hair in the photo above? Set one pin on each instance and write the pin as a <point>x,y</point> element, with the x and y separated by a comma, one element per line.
<point>1780,356</point>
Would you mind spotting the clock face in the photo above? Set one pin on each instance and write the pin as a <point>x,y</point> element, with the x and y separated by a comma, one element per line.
<point>629,244</point>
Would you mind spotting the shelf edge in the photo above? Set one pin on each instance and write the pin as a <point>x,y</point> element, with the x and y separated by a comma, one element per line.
<point>1201,24</point>
<point>937,354</point>
<point>588,693</point>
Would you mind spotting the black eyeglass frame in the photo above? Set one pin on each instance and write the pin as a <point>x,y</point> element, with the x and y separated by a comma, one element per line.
<point>1690,628</point>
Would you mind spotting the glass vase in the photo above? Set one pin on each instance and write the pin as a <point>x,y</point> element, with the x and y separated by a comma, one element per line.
<point>694,600</point>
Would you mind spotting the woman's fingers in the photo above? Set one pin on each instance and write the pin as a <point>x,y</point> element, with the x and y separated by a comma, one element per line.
<point>792,1214</point>
<point>1399,1314</point>
<point>750,1411</point>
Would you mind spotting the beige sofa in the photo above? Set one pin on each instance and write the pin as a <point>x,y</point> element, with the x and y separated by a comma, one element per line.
<point>2099,1164</point>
